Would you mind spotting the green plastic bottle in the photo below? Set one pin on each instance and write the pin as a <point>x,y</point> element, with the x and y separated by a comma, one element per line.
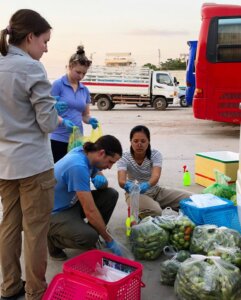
<point>186,177</point>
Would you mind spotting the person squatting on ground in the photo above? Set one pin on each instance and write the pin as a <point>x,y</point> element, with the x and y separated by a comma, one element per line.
<point>69,89</point>
<point>144,165</point>
<point>68,226</point>
<point>27,116</point>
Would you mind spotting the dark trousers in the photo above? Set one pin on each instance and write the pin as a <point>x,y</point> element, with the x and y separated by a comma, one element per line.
<point>59,149</point>
<point>68,228</point>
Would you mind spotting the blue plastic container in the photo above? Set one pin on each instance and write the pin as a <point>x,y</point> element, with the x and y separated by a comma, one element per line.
<point>220,215</point>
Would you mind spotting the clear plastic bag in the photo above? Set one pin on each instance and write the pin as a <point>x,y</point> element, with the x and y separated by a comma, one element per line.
<point>134,203</point>
<point>203,277</point>
<point>221,187</point>
<point>169,268</point>
<point>229,254</point>
<point>206,237</point>
<point>148,239</point>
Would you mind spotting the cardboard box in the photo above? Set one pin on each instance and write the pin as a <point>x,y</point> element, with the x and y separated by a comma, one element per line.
<point>206,162</point>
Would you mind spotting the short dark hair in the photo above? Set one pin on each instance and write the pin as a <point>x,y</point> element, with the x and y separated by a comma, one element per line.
<point>146,131</point>
<point>22,22</point>
<point>109,143</point>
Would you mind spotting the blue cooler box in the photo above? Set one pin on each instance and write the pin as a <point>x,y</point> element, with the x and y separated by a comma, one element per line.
<point>220,215</point>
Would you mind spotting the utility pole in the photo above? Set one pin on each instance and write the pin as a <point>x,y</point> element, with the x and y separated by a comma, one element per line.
<point>159,58</point>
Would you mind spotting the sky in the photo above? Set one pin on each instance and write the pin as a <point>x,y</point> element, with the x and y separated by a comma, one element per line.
<point>152,30</point>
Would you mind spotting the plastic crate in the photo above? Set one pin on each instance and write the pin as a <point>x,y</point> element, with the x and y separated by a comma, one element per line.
<point>66,287</point>
<point>228,218</point>
<point>127,288</point>
<point>216,214</point>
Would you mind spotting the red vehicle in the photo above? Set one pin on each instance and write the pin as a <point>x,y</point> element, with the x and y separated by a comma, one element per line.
<point>218,64</point>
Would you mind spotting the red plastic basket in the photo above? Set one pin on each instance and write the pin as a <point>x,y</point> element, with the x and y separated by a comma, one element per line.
<point>127,288</point>
<point>66,287</point>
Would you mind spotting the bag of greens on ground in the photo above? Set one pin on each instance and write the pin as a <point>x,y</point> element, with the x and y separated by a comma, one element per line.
<point>165,222</point>
<point>206,237</point>
<point>180,235</point>
<point>221,188</point>
<point>229,254</point>
<point>169,268</point>
<point>207,278</point>
<point>147,239</point>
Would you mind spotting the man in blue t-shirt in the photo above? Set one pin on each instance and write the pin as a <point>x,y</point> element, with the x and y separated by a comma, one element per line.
<point>80,214</point>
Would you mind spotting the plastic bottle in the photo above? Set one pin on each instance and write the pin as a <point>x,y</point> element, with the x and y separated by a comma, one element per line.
<point>128,222</point>
<point>186,176</point>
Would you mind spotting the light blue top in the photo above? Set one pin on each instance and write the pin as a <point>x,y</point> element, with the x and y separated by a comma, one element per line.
<point>73,173</point>
<point>77,102</point>
<point>27,116</point>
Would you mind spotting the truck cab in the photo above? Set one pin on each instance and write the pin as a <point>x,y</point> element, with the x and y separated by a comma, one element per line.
<point>163,84</point>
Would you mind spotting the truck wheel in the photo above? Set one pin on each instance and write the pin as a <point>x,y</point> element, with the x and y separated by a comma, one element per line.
<point>160,103</point>
<point>183,102</point>
<point>112,105</point>
<point>103,103</point>
<point>141,105</point>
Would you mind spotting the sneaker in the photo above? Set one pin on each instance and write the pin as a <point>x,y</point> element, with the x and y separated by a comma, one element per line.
<point>16,296</point>
<point>58,255</point>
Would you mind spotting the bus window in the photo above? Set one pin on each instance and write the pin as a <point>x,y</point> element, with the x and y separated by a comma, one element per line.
<point>218,64</point>
<point>224,40</point>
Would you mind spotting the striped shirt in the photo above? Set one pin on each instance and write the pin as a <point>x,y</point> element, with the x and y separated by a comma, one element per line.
<point>141,172</point>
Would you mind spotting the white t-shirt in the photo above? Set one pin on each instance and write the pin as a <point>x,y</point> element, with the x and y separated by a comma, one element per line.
<point>142,172</point>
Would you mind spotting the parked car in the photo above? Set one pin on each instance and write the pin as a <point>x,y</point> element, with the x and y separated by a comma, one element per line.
<point>182,96</point>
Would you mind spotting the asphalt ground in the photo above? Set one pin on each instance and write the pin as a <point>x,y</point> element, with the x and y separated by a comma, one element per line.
<point>178,136</point>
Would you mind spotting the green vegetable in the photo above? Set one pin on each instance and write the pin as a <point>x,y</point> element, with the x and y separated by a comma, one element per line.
<point>208,279</point>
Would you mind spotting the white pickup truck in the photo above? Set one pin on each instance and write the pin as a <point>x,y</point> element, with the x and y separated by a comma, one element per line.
<point>130,85</point>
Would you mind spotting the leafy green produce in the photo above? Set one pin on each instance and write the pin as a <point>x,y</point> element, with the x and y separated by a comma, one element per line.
<point>231,255</point>
<point>165,222</point>
<point>148,240</point>
<point>180,235</point>
<point>169,268</point>
<point>202,278</point>
<point>205,238</point>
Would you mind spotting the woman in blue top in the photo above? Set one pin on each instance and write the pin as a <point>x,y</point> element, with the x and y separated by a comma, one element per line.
<point>70,89</point>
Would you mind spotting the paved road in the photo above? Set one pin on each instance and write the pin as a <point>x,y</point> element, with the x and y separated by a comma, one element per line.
<point>178,136</point>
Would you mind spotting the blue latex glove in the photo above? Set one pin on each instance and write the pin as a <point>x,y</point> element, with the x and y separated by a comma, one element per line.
<point>144,186</point>
<point>113,246</point>
<point>128,186</point>
<point>93,122</point>
<point>99,181</point>
<point>68,125</point>
<point>60,106</point>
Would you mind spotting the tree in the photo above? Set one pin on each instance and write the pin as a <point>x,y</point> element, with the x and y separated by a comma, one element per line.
<point>173,64</point>
<point>151,66</point>
<point>169,64</point>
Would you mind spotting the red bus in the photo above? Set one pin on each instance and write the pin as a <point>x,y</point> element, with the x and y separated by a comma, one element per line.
<point>218,64</point>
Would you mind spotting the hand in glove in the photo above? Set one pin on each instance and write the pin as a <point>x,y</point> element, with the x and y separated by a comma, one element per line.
<point>144,186</point>
<point>113,246</point>
<point>128,186</point>
<point>68,125</point>
<point>93,122</point>
<point>60,106</point>
<point>99,181</point>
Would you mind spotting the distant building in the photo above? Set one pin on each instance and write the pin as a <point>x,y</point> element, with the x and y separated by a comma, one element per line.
<point>118,59</point>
